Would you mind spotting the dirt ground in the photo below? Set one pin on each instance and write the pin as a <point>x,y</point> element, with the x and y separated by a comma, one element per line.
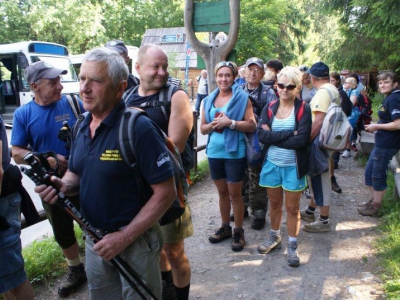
<point>340,264</point>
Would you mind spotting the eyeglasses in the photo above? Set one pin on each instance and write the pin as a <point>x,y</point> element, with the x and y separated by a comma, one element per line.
<point>289,87</point>
<point>254,70</point>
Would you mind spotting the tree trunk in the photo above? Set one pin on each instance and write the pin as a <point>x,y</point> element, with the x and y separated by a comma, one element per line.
<point>213,52</point>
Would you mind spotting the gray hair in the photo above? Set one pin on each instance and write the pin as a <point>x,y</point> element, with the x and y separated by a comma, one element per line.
<point>292,74</point>
<point>116,65</point>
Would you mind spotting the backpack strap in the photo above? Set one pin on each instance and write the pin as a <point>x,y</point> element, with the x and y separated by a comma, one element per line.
<point>164,97</point>
<point>127,147</point>
<point>300,112</point>
<point>78,123</point>
<point>73,102</point>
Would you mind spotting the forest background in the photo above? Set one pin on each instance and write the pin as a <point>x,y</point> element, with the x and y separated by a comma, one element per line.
<point>359,35</point>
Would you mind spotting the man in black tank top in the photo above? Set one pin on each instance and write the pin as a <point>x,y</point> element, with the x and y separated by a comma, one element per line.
<point>152,65</point>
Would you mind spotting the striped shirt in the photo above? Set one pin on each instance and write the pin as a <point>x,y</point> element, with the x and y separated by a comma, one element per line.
<point>280,156</point>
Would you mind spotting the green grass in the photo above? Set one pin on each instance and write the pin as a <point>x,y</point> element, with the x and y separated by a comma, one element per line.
<point>388,245</point>
<point>362,159</point>
<point>202,170</point>
<point>44,261</point>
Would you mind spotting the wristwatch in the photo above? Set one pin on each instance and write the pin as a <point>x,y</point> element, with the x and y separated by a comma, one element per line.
<point>232,126</point>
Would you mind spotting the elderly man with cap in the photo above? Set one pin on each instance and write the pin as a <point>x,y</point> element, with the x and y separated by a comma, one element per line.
<point>120,48</point>
<point>320,185</point>
<point>260,95</point>
<point>36,125</point>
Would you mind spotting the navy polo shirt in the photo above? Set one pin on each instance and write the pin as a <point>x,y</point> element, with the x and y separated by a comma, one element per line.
<point>388,112</point>
<point>108,189</point>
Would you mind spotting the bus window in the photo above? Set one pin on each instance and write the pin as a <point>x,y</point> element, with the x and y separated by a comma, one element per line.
<point>59,63</point>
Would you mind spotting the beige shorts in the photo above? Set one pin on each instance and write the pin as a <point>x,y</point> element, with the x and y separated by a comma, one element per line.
<point>180,229</point>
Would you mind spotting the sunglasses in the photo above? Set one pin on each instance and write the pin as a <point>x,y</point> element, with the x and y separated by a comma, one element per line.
<point>225,64</point>
<point>289,87</point>
<point>303,68</point>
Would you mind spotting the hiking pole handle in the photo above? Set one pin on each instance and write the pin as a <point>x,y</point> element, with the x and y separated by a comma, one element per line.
<point>65,204</point>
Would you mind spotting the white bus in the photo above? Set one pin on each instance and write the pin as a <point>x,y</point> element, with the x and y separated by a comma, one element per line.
<point>15,58</point>
<point>76,59</point>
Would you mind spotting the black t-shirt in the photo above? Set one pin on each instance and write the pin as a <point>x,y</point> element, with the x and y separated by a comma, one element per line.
<point>388,112</point>
<point>155,113</point>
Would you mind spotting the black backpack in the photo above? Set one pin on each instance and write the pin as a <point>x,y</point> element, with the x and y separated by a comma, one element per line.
<point>127,151</point>
<point>164,103</point>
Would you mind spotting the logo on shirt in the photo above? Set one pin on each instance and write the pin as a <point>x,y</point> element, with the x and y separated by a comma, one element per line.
<point>395,111</point>
<point>162,159</point>
<point>110,155</point>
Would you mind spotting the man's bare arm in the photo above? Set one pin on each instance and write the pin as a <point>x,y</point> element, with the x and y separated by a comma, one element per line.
<point>317,124</point>
<point>180,120</point>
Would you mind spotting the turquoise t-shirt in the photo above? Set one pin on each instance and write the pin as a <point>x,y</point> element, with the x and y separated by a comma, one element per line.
<point>216,140</point>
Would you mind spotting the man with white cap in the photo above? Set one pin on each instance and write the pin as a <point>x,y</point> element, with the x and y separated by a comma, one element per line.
<point>119,47</point>
<point>36,125</point>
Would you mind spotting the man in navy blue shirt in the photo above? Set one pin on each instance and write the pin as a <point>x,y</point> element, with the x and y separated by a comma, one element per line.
<point>107,185</point>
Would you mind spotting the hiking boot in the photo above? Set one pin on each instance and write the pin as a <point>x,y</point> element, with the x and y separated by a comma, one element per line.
<point>364,204</point>
<point>354,147</point>
<point>245,215</point>
<point>369,210</point>
<point>346,154</point>
<point>225,232</point>
<point>335,187</point>
<point>307,217</point>
<point>274,242</point>
<point>258,223</point>
<point>75,278</point>
<point>238,240</point>
<point>168,291</point>
<point>318,226</point>
<point>293,259</point>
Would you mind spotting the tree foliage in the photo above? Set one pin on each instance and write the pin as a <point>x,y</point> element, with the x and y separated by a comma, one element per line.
<point>370,31</point>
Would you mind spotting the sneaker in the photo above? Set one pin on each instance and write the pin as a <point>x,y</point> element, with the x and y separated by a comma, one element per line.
<point>274,242</point>
<point>335,187</point>
<point>221,234</point>
<point>307,193</point>
<point>318,226</point>
<point>75,278</point>
<point>292,255</point>
<point>258,223</point>
<point>346,154</point>
<point>238,240</point>
<point>307,217</point>
<point>354,147</point>
<point>369,210</point>
<point>168,291</point>
<point>245,215</point>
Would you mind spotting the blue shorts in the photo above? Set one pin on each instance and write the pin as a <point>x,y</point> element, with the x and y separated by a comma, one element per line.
<point>273,176</point>
<point>377,166</point>
<point>12,273</point>
<point>232,170</point>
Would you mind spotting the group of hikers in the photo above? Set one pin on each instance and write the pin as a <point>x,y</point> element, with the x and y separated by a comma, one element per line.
<point>285,111</point>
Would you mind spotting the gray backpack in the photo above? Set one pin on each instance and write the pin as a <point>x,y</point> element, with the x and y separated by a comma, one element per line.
<point>336,129</point>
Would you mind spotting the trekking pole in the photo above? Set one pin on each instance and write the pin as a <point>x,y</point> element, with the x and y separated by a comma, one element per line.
<point>39,176</point>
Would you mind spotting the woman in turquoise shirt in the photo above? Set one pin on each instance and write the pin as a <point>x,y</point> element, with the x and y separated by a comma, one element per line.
<point>227,114</point>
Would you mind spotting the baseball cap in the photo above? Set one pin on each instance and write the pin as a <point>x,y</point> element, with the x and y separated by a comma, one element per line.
<point>319,69</point>
<point>117,46</point>
<point>42,69</point>
<point>255,60</point>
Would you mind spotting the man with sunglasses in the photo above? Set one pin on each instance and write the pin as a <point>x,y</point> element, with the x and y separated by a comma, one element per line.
<point>260,95</point>
<point>320,185</point>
